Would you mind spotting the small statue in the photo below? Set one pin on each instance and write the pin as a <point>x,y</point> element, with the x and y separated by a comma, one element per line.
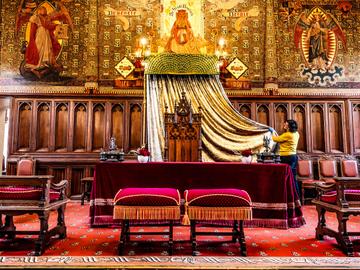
<point>112,145</point>
<point>266,143</point>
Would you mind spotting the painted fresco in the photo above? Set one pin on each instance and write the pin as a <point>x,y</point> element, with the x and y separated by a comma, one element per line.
<point>85,41</point>
<point>320,40</point>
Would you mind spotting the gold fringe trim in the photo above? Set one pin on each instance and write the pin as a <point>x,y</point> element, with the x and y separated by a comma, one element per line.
<point>219,213</point>
<point>146,212</point>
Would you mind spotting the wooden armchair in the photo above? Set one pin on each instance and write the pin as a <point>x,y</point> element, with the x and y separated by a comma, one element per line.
<point>305,175</point>
<point>26,165</point>
<point>327,169</point>
<point>349,167</point>
<point>21,195</point>
<point>182,133</point>
<point>343,198</point>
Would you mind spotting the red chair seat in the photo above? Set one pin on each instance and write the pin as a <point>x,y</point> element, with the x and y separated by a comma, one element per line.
<point>350,195</point>
<point>310,181</point>
<point>147,197</point>
<point>217,197</point>
<point>25,193</point>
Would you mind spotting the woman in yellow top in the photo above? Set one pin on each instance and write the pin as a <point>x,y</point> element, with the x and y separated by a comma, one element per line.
<point>288,142</point>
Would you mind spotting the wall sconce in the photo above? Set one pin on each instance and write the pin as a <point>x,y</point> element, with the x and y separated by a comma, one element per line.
<point>142,51</point>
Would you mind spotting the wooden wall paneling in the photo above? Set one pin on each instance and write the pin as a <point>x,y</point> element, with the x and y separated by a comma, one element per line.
<point>59,174</point>
<point>24,126</point>
<point>299,115</point>
<point>245,109</point>
<point>355,115</point>
<point>90,127</point>
<point>135,130</point>
<point>317,128</point>
<point>98,126</point>
<point>118,123</point>
<point>76,174</point>
<point>262,114</point>
<point>281,112</point>
<point>51,147</point>
<point>108,125</point>
<point>43,117</point>
<point>80,127</point>
<point>336,139</point>
<point>70,135</point>
<point>61,126</point>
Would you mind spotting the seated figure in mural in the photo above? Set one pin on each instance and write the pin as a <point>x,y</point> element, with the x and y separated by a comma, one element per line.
<point>182,38</point>
<point>43,46</point>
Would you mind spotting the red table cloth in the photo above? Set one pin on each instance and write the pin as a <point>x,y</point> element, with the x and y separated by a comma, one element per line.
<point>270,186</point>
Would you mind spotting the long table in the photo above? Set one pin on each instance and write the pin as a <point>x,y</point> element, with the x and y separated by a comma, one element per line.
<point>271,187</point>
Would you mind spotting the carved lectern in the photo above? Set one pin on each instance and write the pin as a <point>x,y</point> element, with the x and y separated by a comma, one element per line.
<point>182,133</point>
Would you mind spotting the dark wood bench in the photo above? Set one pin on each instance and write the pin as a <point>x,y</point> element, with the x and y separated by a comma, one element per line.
<point>342,198</point>
<point>21,195</point>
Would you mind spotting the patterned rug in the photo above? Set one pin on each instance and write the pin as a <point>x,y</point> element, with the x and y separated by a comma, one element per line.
<point>98,242</point>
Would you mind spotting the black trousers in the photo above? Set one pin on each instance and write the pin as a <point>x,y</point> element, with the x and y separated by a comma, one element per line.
<point>292,160</point>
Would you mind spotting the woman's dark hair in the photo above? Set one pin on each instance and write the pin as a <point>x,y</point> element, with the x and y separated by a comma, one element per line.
<point>293,127</point>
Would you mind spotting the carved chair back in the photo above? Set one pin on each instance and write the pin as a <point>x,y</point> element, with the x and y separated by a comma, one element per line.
<point>349,167</point>
<point>26,166</point>
<point>327,169</point>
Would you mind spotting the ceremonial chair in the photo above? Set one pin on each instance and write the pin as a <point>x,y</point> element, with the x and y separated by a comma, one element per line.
<point>343,198</point>
<point>327,169</point>
<point>206,206</point>
<point>305,175</point>
<point>21,195</point>
<point>182,133</point>
<point>144,205</point>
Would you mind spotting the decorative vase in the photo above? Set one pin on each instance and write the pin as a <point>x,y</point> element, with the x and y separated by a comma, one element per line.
<point>246,160</point>
<point>143,159</point>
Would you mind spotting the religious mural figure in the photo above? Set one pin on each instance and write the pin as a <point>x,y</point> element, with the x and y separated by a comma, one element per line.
<point>182,37</point>
<point>317,34</point>
<point>43,46</point>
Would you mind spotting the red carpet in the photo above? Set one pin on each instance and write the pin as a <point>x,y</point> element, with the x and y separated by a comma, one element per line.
<point>85,241</point>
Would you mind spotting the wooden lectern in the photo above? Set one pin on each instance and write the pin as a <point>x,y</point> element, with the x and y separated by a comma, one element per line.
<point>182,133</point>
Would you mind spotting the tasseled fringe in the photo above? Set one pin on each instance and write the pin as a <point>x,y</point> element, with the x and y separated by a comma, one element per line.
<point>146,212</point>
<point>219,213</point>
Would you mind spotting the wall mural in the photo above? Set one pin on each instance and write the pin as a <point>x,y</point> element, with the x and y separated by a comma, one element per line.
<point>47,26</point>
<point>69,42</point>
<point>317,34</point>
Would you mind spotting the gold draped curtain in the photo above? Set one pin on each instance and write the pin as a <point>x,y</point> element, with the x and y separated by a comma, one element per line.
<point>225,132</point>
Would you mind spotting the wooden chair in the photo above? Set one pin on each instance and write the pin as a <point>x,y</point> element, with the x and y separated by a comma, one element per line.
<point>26,165</point>
<point>327,169</point>
<point>349,167</point>
<point>305,175</point>
<point>182,133</point>
<point>343,198</point>
<point>21,195</point>
<point>86,185</point>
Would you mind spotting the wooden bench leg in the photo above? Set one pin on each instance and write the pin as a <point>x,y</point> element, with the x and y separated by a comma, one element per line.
<point>123,236</point>
<point>242,242</point>
<point>43,239</point>
<point>193,237</point>
<point>235,232</point>
<point>83,189</point>
<point>171,238</point>
<point>342,236</point>
<point>319,234</point>
<point>61,228</point>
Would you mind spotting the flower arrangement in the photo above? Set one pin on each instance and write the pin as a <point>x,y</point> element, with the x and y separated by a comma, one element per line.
<point>246,152</point>
<point>143,151</point>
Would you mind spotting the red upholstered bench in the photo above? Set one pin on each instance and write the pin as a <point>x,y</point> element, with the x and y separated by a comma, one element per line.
<point>146,204</point>
<point>218,205</point>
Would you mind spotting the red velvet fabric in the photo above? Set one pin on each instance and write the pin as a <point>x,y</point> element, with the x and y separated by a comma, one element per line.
<point>217,197</point>
<point>270,186</point>
<point>25,193</point>
<point>350,195</point>
<point>147,197</point>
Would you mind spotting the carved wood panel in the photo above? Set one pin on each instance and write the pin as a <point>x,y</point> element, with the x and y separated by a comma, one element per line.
<point>281,115</point>
<point>43,126</point>
<point>299,116</point>
<point>355,112</point>
<point>24,126</point>
<point>61,126</point>
<point>317,128</point>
